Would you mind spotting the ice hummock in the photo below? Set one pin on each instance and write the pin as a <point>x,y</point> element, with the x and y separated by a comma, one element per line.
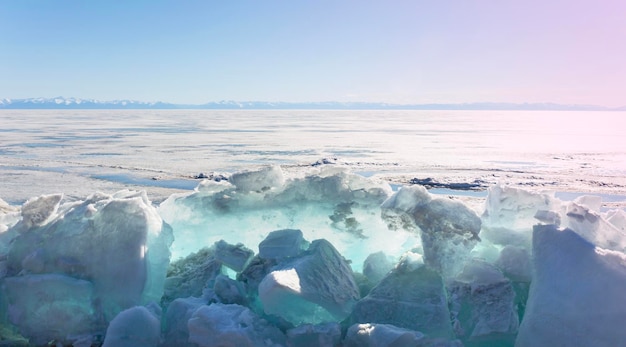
<point>326,203</point>
<point>328,258</point>
<point>78,264</point>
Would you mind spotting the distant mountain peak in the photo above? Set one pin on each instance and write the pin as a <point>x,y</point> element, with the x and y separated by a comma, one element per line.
<point>77,103</point>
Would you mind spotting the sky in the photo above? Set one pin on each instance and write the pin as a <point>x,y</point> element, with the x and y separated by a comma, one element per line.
<point>407,52</point>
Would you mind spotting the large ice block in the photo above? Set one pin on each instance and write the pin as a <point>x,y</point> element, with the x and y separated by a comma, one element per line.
<point>315,287</point>
<point>411,297</point>
<point>577,294</point>
<point>117,243</point>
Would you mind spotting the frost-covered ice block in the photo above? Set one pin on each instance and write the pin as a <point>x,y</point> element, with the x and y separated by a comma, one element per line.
<point>283,243</point>
<point>191,275</point>
<point>593,227</point>
<point>577,294</point>
<point>316,287</point>
<point>412,296</point>
<point>510,214</point>
<point>319,335</point>
<point>481,302</point>
<point>449,229</point>
<point>51,307</point>
<point>231,325</point>
<point>134,327</point>
<point>233,256</point>
<point>175,329</point>
<point>107,240</point>
<point>36,211</point>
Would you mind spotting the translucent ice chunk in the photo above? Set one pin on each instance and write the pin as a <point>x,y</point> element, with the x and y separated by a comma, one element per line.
<point>510,214</point>
<point>594,227</point>
<point>259,180</point>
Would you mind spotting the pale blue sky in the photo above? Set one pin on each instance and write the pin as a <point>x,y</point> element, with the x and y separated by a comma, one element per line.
<point>440,51</point>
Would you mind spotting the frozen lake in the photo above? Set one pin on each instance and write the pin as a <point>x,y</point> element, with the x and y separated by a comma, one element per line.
<point>79,151</point>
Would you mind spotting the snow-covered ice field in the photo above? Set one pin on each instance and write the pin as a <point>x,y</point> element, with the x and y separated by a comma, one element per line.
<point>79,151</point>
<point>302,228</point>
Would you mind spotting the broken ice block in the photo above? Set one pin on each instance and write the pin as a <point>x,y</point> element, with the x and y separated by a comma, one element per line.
<point>577,294</point>
<point>231,325</point>
<point>449,229</point>
<point>510,214</point>
<point>482,305</point>
<point>408,297</point>
<point>134,327</point>
<point>283,243</point>
<point>314,287</point>
<point>258,180</point>
<point>376,266</point>
<point>233,256</point>
<point>189,276</point>
<point>175,329</point>
<point>593,227</point>
<point>107,240</point>
<point>51,307</point>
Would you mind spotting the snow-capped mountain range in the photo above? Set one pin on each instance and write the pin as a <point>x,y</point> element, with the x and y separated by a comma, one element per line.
<point>76,103</point>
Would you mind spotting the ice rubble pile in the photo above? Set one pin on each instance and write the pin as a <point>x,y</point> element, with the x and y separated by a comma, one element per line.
<point>326,259</point>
